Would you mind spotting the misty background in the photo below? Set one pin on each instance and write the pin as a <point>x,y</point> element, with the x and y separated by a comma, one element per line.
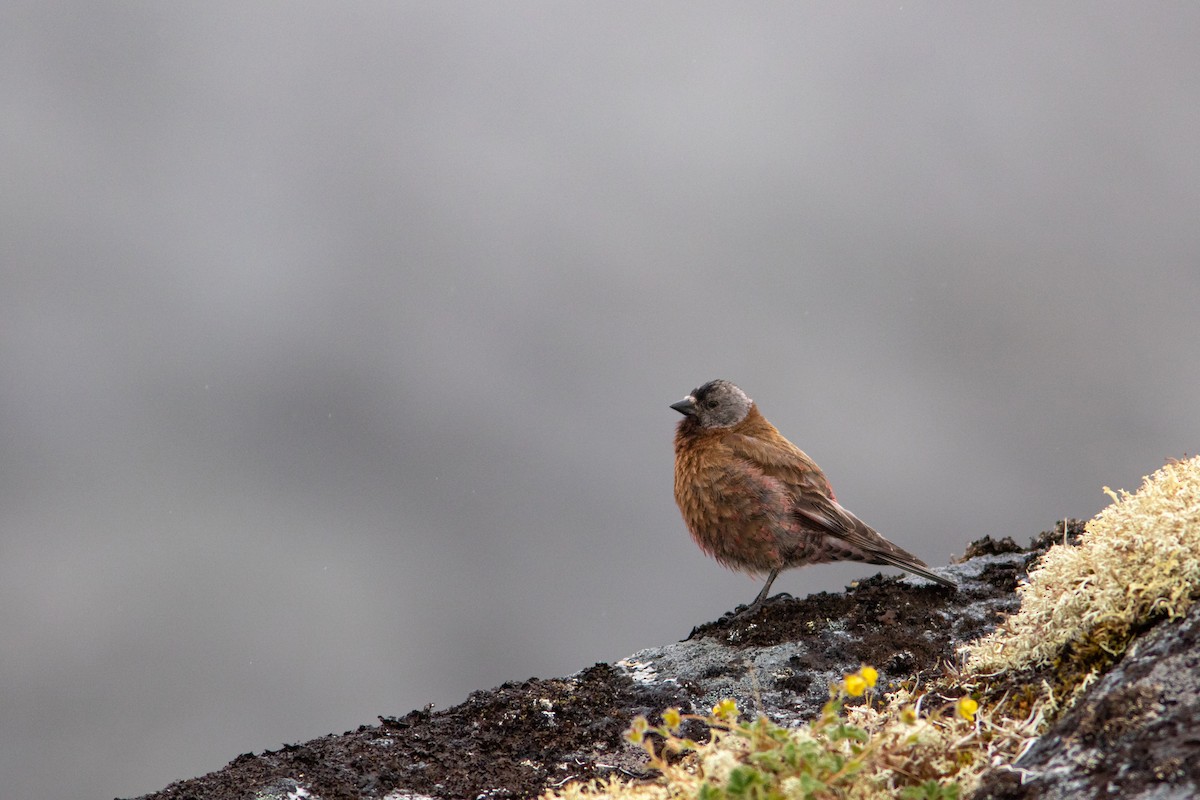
<point>337,340</point>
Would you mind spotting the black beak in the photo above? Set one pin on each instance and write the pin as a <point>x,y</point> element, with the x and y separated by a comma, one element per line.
<point>686,406</point>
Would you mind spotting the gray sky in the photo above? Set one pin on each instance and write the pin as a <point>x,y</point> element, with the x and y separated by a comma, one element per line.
<point>337,340</point>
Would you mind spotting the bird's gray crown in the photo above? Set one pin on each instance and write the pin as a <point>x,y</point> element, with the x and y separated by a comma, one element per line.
<point>720,404</point>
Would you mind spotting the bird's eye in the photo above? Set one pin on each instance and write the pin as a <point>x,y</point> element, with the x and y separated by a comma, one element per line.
<point>711,403</point>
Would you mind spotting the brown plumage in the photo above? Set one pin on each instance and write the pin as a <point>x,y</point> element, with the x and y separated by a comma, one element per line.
<point>755,502</point>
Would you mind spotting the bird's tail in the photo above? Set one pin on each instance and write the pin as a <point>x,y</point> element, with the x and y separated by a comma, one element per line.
<point>915,568</point>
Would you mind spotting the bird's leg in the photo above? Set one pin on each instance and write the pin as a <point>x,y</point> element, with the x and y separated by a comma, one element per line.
<point>758,601</point>
<point>762,596</point>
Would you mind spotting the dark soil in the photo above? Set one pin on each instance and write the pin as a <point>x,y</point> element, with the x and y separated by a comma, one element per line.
<point>513,741</point>
<point>877,621</point>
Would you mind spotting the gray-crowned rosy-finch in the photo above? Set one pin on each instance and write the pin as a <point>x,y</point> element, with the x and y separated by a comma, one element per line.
<point>756,503</point>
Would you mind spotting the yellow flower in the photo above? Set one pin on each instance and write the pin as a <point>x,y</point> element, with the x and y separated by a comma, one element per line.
<point>726,709</point>
<point>857,684</point>
<point>967,708</point>
<point>637,729</point>
<point>671,718</point>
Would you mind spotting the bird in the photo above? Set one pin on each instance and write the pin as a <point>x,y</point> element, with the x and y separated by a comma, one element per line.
<point>757,503</point>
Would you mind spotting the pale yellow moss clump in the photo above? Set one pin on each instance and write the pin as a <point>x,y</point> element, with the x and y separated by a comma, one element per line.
<point>614,788</point>
<point>1139,559</point>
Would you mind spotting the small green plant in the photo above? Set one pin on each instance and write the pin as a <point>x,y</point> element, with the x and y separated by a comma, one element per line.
<point>760,760</point>
<point>930,790</point>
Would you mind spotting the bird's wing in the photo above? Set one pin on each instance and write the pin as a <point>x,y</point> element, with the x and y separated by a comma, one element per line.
<point>831,517</point>
<point>783,461</point>
<point>812,502</point>
<point>812,498</point>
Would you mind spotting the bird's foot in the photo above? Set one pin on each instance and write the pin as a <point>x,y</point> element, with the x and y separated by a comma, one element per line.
<point>745,612</point>
<point>740,614</point>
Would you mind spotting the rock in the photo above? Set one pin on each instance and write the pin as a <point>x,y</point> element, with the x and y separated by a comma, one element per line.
<point>1134,734</point>
<point>783,659</point>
